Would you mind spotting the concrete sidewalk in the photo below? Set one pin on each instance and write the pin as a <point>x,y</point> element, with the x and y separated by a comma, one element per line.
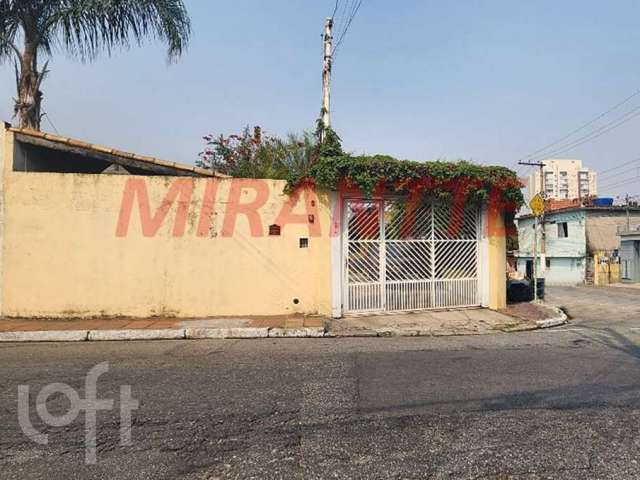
<point>454,322</point>
<point>477,321</point>
<point>112,329</point>
<point>30,325</point>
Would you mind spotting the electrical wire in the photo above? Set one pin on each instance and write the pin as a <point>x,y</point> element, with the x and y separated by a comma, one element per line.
<point>615,178</point>
<point>635,171</point>
<point>46,115</point>
<point>622,183</point>
<point>354,12</point>
<point>597,133</point>
<point>340,23</point>
<point>581,127</point>
<point>609,175</point>
<point>604,173</point>
<point>524,170</point>
<point>335,9</point>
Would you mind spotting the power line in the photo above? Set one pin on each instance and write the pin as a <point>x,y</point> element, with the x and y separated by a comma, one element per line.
<point>635,170</point>
<point>604,172</point>
<point>523,170</point>
<point>333,15</point>
<point>347,10</point>
<point>354,12</point>
<point>622,183</point>
<point>46,115</point>
<point>608,174</point>
<point>612,178</point>
<point>581,127</point>
<point>342,17</point>
<point>606,128</point>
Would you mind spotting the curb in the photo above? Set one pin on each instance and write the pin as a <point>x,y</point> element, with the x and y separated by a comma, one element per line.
<point>398,332</point>
<point>523,327</point>
<point>561,319</point>
<point>240,333</point>
<point>164,334</point>
<point>305,332</point>
<point>225,333</point>
<point>48,336</point>
<point>351,333</point>
<point>131,335</point>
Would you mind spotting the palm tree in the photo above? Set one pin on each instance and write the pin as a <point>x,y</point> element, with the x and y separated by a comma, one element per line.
<point>32,29</point>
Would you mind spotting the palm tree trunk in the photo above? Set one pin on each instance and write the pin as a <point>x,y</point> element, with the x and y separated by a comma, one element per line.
<point>28,79</point>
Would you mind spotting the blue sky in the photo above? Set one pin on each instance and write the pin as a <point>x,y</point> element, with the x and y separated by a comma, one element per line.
<point>489,81</point>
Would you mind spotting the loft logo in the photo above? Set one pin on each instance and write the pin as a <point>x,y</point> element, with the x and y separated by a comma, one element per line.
<point>89,405</point>
<point>180,193</point>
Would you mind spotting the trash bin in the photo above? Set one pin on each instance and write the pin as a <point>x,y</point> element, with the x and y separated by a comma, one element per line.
<point>540,283</point>
<point>519,291</point>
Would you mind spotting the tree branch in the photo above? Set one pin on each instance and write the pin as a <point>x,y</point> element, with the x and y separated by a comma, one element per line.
<point>4,39</point>
<point>15,66</point>
<point>42,75</point>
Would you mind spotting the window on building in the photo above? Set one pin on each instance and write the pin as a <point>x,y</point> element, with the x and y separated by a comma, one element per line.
<point>548,263</point>
<point>563,230</point>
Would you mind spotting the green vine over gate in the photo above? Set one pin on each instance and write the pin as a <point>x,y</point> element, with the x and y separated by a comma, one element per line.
<point>384,174</point>
<point>317,159</point>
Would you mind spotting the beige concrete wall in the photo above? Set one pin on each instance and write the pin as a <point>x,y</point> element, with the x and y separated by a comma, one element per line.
<point>6,157</point>
<point>602,229</point>
<point>68,249</point>
<point>63,257</point>
<point>497,263</point>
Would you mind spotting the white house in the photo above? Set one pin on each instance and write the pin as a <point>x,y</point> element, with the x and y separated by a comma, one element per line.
<point>572,236</point>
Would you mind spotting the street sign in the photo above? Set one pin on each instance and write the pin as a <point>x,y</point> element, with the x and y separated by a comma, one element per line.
<point>537,205</point>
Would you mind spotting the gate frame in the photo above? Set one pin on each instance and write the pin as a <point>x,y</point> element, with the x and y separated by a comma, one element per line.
<point>339,255</point>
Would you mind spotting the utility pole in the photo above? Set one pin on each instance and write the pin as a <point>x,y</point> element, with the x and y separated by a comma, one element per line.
<point>535,259</point>
<point>628,214</point>
<point>326,74</point>
<point>543,249</point>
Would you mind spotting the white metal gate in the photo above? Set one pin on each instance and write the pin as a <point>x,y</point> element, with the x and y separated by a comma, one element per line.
<point>401,257</point>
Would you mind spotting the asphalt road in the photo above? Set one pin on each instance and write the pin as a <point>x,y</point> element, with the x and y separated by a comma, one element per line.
<point>554,404</point>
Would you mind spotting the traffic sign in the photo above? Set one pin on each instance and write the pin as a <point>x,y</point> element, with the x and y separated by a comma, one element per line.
<point>537,205</point>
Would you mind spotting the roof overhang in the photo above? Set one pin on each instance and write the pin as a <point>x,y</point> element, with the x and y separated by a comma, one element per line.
<point>111,155</point>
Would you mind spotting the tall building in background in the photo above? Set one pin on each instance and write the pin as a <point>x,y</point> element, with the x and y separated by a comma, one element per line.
<point>564,180</point>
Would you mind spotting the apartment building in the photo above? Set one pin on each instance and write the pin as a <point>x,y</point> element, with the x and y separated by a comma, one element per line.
<point>564,180</point>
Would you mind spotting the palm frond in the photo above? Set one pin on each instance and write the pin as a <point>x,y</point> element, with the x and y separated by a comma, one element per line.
<point>87,27</point>
<point>8,30</point>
